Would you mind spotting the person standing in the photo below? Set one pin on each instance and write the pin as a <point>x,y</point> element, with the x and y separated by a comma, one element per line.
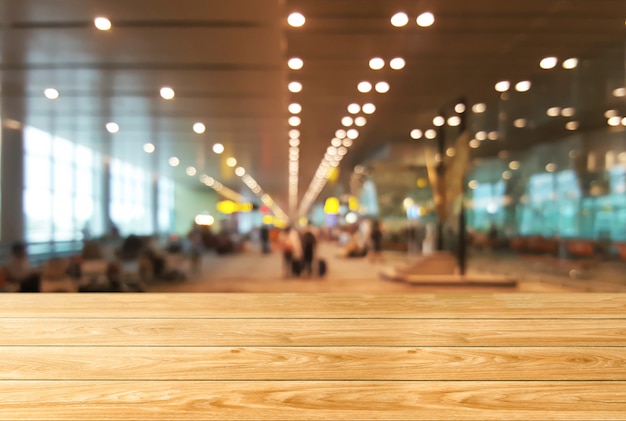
<point>292,252</point>
<point>309,246</point>
<point>376,239</point>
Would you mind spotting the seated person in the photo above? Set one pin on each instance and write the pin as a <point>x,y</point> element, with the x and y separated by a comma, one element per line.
<point>22,276</point>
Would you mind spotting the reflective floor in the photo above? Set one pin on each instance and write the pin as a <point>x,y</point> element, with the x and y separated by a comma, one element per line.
<point>252,271</point>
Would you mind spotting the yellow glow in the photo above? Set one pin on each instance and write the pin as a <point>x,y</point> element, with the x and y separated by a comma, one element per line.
<point>353,203</point>
<point>331,206</point>
<point>332,174</point>
<point>421,183</point>
<point>102,23</point>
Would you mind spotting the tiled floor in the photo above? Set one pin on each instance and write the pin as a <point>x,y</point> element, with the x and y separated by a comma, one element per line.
<point>252,271</point>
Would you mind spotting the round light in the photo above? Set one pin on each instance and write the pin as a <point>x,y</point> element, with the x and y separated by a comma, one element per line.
<point>572,125</point>
<point>454,121</point>
<point>340,134</point>
<point>347,142</point>
<point>614,121</point>
<point>520,123</point>
<point>199,128</point>
<point>377,63</point>
<point>295,108</point>
<point>364,87</point>
<point>479,108</point>
<point>568,111</point>
<point>352,134</point>
<point>481,135</point>
<point>502,86</point>
<point>294,142</point>
<point>296,20</point>
<point>459,108</point>
<point>399,19</point>
<point>231,162</point>
<point>369,108</point>
<point>397,63</point>
<point>425,20</point>
<point>294,121</point>
<point>430,134</point>
<point>450,152</point>
<point>112,127</point>
<point>514,165</point>
<point>548,63</point>
<point>611,113</point>
<point>507,175</point>
<point>619,92</point>
<point>360,121</point>
<point>51,93</point>
<point>472,184</point>
<point>240,171</point>
<point>148,148</point>
<point>173,161</point>
<point>294,87</point>
<point>336,142</point>
<point>553,111</point>
<point>354,108</point>
<point>439,121</point>
<point>347,121</point>
<point>218,148</point>
<point>205,220</point>
<point>492,135</point>
<point>474,143</point>
<point>167,93</point>
<point>102,23</point>
<point>570,63</point>
<point>416,134</point>
<point>551,167</point>
<point>523,86</point>
<point>382,87</point>
<point>191,171</point>
<point>294,133</point>
<point>295,63</point>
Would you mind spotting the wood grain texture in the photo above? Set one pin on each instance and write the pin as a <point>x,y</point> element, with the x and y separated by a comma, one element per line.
<point>301,400</point>
<point>312,363</point>
<point>318,306</point>
<point>313,332</point>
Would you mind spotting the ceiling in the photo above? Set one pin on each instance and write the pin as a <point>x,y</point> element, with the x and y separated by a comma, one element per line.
<point>227,62</point>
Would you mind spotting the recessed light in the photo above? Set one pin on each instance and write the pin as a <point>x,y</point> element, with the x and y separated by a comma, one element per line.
<point>520,123</point>
<point>167,93</point>
<point>354,108</point>
<point>553,111</point>
<point>51,93</point>
<point>295,108</point>
<point>502,86</point>
<point>148,148</point>
<point>295,63</point>
<point>294,133</point>
<point>231,162</point>
<point>479,108</point>
<point>454,121</point>
<point>295,87</point>
<point>199,128</point>
<point>102,23</point>
<point>439,121</point>
<point>112,127</point>
<point>360,121</point>
<point>377,63</point>
<point>347,121</point>
<point>619,92</point>
<point>548,63</point>
<point>382,87</point>
<point>425,20</point>
<point>430,134</point>
<point>174,162</point>
<point>294,121</point>
<point>570,63</point>
<point>364,87</point>
<point>416,134</point>
<point>218,148</point>
<point>296,20</point>
<point>191,171</point>
<point>397,63</point>
<point>399,19</point>
<point>369,108</point>
<point>523,86</point>
<point>572,125</point>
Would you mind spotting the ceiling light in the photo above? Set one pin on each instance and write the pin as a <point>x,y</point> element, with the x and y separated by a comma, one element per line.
<point>397,63</point>
<point>294,142</point>
<point>354,108</point>
<point>342,150</point>
<point>572,125</point>
<point>619,92</point>
<point>450,152</point>
<point>459,108</point>
<point>472,184</point>
<point>479,108</point>
<point>570,63</point>
<point>425,20</point>
<point>199,128</point>
<point>548,63</point>
<point>550,167</point>
<point>347,121</point>
<point>507,175</point>
<point>416,134</point>
<point>295,108</point>
<point>360,121</point>
<point>336,142</point>
<point>503,86</point>
<point>439,121</point>
<point>614,121</point>
<point>514,165</point>
<point>520,123</point>
<point>454,121</point>
<point>523,86</point>
<point>377,63</point>
<point>492,135</point>
<point>173,161</point>
<point>352,134</point>
<point>382,87</point>
<point>102,23</point>
<point>51,93</point>
<point>148,148</point>
<point>294,121</point>
<point>611,113</point>
<point>112,127</point>
<point>167,93</point>
<point>568,111</point>
<point>430,134</point>
<point>481,135</point>
<point>231,162</point>
<point>369,108</point>
<point>364,87</point>
<point>240,171</point>
<point>624,121</point>
<point>553,111</point>
<point>295,63</point>
<point>296,20</point>
<point>218,148</point>
<point>399,19</point>
<point>295,87</point>
<point>294,133</point>
<point>340,133</point>
<point>347,142</point>
<point>474,143</point>
<point>191,171</point>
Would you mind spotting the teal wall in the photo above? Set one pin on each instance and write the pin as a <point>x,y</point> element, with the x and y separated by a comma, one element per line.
<point>190,202</point>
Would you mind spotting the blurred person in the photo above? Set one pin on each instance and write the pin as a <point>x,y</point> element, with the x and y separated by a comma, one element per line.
<point>20,273</point>
<point>309,247</point>
<point>291,246</point>
<point>376,239</point>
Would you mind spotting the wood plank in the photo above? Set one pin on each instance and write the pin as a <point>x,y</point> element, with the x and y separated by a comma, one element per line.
<point>312,363</point>
<point>228,305</point>
<point>128,400</point>
<point>309,332</point>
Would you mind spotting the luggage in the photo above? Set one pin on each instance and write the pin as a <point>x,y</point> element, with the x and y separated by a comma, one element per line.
<point>322,267</point>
